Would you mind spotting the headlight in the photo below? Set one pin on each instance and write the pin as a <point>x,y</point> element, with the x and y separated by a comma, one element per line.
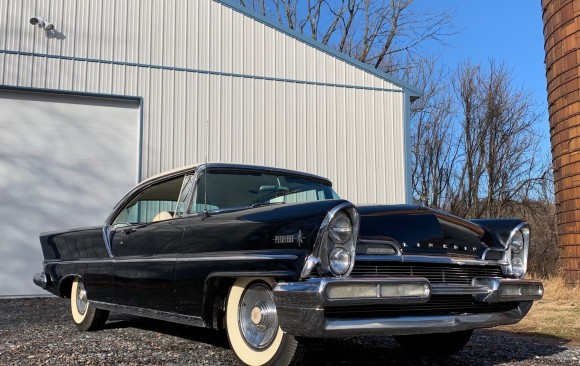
<point>517,267</point>
<point>518,242</point>
<point>334,250</point>
<point>517,251</point>
<point>340,228</point>
<point>339,260</point>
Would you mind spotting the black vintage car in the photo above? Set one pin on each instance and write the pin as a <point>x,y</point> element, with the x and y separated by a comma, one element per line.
<point>272,256</point>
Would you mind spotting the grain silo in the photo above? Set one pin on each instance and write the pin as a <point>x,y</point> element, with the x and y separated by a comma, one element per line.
<point>562,46</point>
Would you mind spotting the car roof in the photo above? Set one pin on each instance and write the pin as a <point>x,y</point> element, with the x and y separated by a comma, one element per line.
<point>192,167</point>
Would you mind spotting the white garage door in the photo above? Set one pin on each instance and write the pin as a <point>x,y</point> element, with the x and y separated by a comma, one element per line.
<point>64,162</point>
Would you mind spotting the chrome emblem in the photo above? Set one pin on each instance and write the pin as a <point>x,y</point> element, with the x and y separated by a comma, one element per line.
<point>443,246</point>
<point>289,239</point>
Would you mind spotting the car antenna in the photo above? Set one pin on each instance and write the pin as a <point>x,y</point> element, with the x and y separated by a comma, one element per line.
<point>205,214</point>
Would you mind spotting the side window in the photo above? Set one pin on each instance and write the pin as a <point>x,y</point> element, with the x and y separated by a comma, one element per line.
<point>155,203</point>
<point>202,199</point>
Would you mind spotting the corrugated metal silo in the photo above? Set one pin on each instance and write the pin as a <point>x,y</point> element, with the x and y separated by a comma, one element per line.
<point>562,46</point>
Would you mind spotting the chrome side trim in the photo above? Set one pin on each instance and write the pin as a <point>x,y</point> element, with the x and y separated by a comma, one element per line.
<point>153,314</point>
<point>259,257</point>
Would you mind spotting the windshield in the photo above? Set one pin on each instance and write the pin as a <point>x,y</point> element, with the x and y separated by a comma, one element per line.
<point>228,189</point>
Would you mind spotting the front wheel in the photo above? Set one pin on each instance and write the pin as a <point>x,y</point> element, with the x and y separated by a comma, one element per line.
<point>85,316</point>
<point>252,326</point>
<point>438,344</point>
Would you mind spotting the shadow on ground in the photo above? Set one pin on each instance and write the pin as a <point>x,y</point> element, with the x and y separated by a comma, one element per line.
<point>487,347</point>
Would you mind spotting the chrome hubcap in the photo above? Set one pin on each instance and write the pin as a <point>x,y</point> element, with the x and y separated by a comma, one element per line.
<point>82,301</point>
<point>257,316</point>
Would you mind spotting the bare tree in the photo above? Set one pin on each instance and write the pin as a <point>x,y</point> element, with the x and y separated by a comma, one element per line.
<point>433,135</point>
<point>373,31</point>
<point>498,161</point>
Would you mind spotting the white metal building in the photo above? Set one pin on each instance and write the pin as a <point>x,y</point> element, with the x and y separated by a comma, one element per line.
<point>120,90</point>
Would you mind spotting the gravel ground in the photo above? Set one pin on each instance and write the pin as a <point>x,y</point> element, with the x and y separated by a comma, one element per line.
<point>37,331</point>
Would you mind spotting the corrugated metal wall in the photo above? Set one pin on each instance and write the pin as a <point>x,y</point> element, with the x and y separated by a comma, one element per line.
<point>269,98</point>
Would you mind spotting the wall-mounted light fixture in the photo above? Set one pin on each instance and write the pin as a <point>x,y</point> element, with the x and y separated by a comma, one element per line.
<point>42,23</point>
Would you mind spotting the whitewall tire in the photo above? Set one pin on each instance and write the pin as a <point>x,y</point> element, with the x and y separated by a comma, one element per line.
<point>85,316</point>
<point>252,326</point>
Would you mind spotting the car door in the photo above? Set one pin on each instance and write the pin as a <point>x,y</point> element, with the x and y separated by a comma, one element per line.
<point>144,264</point>
<point>145,242</point>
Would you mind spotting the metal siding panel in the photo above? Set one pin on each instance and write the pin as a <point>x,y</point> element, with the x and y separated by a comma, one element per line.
<point>147,158</point>
<point>285,134</point>
<point>13,19</point>
<point>24,70</point>
<point>105,79</point>
<point>94,20</point>
<point>191,118</point>
<point>167,120</point>
<point>119,29</point>
<point>203,19</point>
<point>226,40</point>
<point>64,21</point>
<point>132,19</point>
<point>156,30</point>
<point>167,47</point>
<point>81,34</point>
<point>118,79</point>
<point>237,42</point>
<point>213,36</point>
<point>4,22</point>
<point>25,34</point>
<point>54,15</point>
<point>145,33</point>
<point>80,75</point>
<point>66,75</point>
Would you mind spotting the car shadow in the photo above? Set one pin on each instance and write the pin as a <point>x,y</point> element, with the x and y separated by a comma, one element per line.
<point>486,347</point>
<point>212,337</point>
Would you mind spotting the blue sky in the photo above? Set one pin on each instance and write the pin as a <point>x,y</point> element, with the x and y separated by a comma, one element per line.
<point>508,31</point>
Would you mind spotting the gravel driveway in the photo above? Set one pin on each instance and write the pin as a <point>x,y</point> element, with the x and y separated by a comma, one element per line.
<point>37,331</point>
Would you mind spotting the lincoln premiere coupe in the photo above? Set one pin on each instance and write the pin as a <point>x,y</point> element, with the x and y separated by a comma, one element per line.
<point>274,256</point>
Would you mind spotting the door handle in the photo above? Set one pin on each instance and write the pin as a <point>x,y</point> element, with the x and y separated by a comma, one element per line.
<point>129,230</point>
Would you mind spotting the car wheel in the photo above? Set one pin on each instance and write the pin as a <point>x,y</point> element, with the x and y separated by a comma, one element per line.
<point>252,326</point>
<point>439,344</point>
<point>85,316</point>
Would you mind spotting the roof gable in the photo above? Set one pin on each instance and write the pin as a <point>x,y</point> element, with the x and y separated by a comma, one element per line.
<point>410,89</point>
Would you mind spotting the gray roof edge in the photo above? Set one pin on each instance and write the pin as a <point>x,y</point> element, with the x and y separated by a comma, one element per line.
<point>413,91</point>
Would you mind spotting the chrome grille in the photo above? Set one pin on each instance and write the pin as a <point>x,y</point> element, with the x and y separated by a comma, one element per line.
<point>435,273</point>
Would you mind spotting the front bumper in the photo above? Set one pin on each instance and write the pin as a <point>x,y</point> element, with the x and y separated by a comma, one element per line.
<point>301,306</point>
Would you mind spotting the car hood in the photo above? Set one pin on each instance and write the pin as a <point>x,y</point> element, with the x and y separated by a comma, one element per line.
<point>418,230</point>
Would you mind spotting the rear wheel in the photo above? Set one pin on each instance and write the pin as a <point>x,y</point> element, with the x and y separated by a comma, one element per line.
<point>252,326</point>
<point>85,316</point>
<point>438,344</point>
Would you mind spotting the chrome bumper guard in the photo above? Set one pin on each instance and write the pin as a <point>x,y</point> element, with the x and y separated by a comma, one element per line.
<point>300,305</point>
<point>40,279</point>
